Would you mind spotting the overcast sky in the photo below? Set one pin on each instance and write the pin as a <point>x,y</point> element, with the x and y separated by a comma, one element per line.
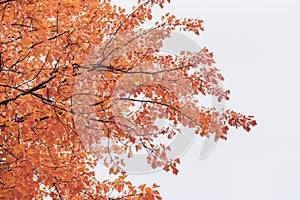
<point>256,46</point>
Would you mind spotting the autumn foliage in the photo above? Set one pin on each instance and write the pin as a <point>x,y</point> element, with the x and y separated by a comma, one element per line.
<point>70,72</point>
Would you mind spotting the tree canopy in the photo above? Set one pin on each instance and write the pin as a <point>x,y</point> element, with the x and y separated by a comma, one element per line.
<point>70,73</point>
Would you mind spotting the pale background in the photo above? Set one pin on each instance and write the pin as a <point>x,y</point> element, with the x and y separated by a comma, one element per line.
<point>256,46</point>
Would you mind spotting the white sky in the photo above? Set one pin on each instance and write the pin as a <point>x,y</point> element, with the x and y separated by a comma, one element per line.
<point>256,45</point>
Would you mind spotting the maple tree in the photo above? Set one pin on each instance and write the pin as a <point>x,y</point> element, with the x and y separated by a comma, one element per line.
<point>53,122</point>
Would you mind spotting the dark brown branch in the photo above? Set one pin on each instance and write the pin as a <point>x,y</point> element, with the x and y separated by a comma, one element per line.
<point>38,87</point>
<point>7,1</point>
